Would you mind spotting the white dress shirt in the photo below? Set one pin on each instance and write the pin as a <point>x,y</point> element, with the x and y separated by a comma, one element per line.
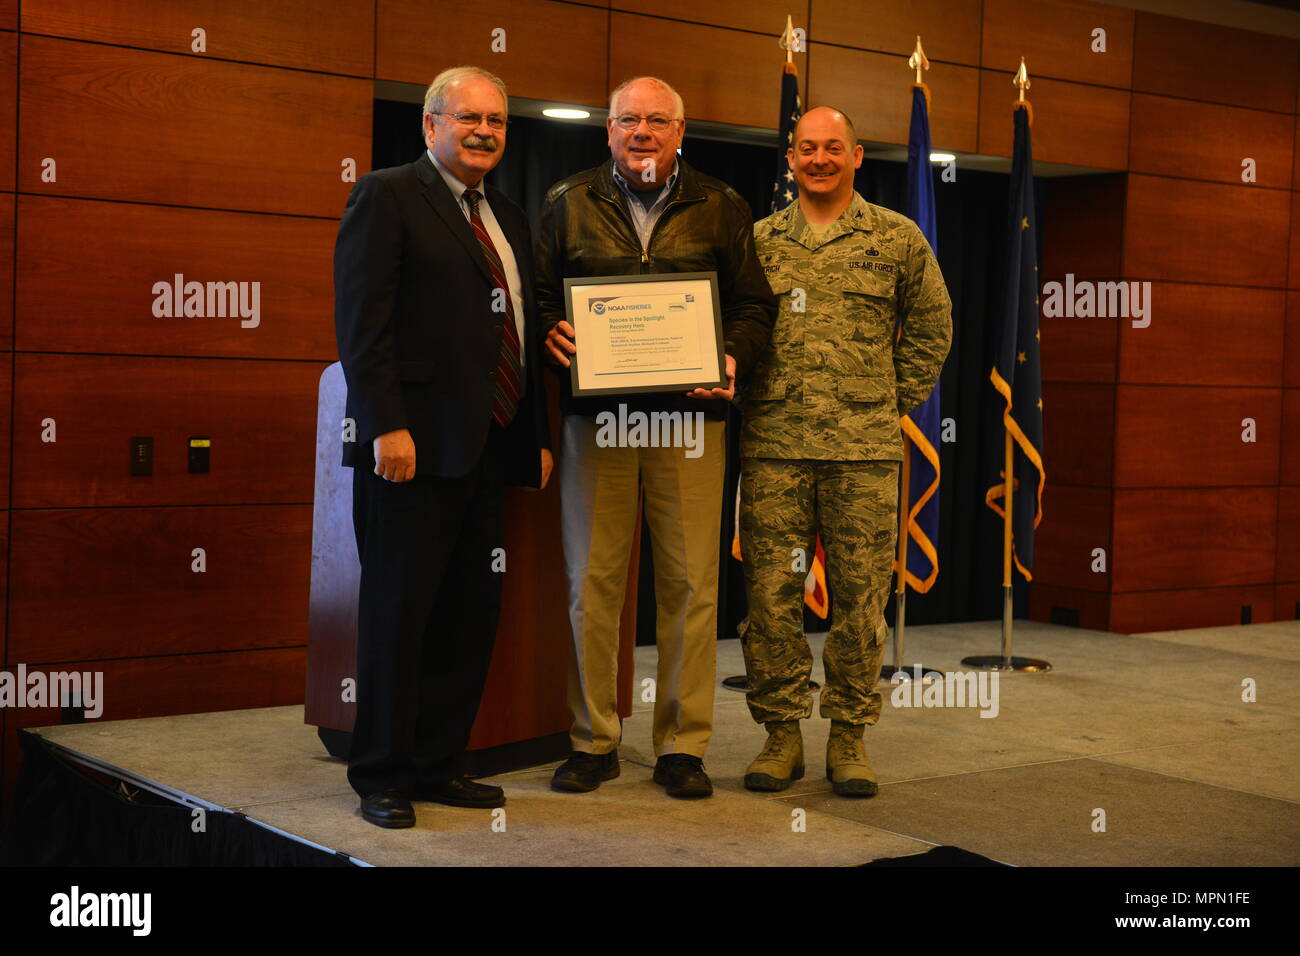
<point>498,239</point>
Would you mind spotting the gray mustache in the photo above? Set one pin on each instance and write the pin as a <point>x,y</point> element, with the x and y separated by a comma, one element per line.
<point>479,142</point>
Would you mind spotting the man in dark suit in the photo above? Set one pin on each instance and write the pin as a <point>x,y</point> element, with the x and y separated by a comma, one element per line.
<point>435,317</point>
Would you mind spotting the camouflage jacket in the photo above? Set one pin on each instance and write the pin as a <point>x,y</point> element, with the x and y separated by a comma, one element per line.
<point>836,380</point>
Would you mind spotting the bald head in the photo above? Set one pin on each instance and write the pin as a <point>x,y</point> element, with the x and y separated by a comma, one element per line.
<point>823,156</point>
<point>824,117</point>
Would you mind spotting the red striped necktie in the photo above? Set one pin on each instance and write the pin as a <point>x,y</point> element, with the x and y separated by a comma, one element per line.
<point>507,375</point>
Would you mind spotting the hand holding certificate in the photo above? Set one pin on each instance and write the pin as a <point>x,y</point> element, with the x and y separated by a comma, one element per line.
<point>727,393</point>
<point>645,333</point>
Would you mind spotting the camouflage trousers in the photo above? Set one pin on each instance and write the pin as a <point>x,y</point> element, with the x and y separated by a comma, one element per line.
<point>784,505</point>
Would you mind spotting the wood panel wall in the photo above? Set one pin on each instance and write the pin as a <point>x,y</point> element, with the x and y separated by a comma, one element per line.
<point>1203,417</point>
<point>140,157</point>
<point>127,156</point>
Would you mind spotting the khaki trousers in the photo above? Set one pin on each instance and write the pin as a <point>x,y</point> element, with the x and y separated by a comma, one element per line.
<point>683,508</point>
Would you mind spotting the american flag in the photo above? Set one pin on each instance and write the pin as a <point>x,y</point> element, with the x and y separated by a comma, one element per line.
<point>784,189</point>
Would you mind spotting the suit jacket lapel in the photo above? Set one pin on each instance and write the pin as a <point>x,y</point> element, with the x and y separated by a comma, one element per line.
<point>444,204</point>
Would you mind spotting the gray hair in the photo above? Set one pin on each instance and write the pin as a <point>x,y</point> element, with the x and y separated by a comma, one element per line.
<point>435,97</point>
<point>680,110</point>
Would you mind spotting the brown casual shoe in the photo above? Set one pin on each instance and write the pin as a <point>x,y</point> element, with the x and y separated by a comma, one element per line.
<point>584,772</point>
<point>682,775</point>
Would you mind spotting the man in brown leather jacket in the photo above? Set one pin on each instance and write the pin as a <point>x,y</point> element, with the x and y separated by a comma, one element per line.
<point>646,211</point>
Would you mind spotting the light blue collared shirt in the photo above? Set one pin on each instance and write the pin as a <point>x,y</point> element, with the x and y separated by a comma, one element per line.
<point>644,219</point>
<point>498,239</point>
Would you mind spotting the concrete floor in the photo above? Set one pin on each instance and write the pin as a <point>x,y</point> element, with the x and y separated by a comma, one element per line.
<point>1151,730</point>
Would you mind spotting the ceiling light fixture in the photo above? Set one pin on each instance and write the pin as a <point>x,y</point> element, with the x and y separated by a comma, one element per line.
<point>556,112</point>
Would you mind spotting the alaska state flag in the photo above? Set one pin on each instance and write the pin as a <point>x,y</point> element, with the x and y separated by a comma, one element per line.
<point>1017,374</point>
<point>921,425</point>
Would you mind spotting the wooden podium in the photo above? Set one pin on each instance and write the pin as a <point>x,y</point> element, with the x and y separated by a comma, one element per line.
<point>524,718</point>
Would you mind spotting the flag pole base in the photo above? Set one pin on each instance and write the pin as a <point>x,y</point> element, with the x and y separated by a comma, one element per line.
<point>1006,661</point>
<point>996,662</point>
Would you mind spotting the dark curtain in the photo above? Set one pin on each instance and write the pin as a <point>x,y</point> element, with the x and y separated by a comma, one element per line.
<point>972,235</point>
<point>61,816</point>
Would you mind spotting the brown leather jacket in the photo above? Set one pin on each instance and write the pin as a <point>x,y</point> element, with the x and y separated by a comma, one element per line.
<point>586,230</point>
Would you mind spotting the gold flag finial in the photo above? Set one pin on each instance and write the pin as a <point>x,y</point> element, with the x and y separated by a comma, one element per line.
<point>1022,79</point>
<point>787,40</point>
<point>918,61</point>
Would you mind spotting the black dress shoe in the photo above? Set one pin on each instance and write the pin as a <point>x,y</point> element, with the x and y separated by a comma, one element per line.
<point>462,792</point>
<point>683,776</point>
<point>584,772</point>
<point>388,808</point>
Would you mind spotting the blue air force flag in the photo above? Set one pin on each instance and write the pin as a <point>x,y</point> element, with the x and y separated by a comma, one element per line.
<point>921,425</point>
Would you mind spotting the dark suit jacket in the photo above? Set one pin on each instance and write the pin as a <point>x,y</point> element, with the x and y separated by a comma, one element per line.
<point>417,335</point>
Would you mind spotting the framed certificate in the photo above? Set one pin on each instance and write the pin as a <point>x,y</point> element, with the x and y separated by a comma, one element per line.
<point>645,333</point>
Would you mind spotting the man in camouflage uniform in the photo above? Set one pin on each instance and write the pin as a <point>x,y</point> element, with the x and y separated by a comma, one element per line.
<point>864,328</point>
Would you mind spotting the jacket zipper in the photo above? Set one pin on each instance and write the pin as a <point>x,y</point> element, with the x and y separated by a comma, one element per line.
<point>645,250</point>
<point>645,253</point>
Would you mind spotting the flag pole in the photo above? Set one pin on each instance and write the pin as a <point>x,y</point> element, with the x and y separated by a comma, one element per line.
<point>1006,661</point>
<point>1007,584</point>
<point>918,62</point>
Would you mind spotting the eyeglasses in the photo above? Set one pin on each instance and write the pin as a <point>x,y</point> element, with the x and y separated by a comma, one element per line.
<point>472,120</point>
<point>631,121</point>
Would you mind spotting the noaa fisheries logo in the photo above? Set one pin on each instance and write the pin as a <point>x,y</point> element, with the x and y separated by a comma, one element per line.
<point>598,308</point>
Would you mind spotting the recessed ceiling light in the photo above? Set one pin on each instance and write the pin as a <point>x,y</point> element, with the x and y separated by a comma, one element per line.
<point>558,113</point>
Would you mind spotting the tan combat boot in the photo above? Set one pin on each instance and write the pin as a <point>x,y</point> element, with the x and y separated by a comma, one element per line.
<point>781,759</point>
<point>847,766</point>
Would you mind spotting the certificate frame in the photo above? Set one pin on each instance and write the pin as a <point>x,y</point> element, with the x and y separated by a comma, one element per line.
<point>594,376</point>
